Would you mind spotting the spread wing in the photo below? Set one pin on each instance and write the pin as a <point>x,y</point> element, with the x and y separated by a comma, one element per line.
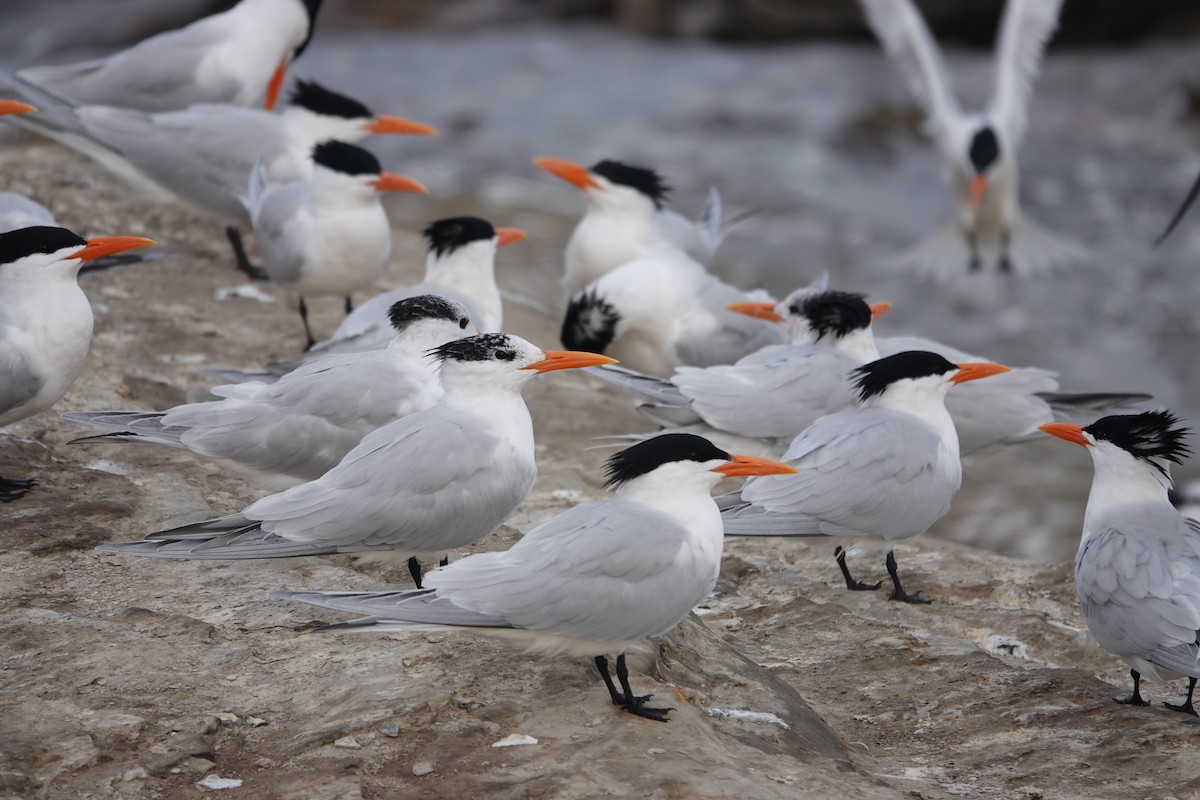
<point>1027,27</point>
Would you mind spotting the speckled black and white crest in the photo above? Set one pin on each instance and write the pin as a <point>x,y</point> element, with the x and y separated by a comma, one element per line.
<point>426,306</point>
<point>484,347</point>
<point>647,456</point>
<point>38,239</point>
<point>833,313</point>
<point>590,323</point>
<point>313,7</point>
<point>319,100</point>
<point>985,149</point>
<point>346,158</point>
<point>646,181</point>
<point>447,235</point>
<point>874,378</point>
<point>1155,436</point>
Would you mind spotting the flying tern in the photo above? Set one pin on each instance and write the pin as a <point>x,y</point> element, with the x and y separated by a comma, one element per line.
<point>1137,572</point>
<point>988,232</point>
<point>593,581</point>
<point>427,483</point>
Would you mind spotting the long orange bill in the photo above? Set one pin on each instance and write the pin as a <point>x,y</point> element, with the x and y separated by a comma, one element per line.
<point>879,309</point>
<point>569,359</point>
<point>389,124</point>
<point>757,310</point>
<point>1067,431</point>
<point>276,84</point>
<point>974,370</point>
<point>507,236</point>
<point>108,245</point>
<point>750,465</point>
<point>978,185</point>
<point>15,107</point>
<point>392,182</point>
<point>575,174</point>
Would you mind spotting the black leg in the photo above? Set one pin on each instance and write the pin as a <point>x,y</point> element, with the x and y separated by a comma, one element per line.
<point>1005,261</point>
<point>974,264</point>
<point>349,305</point>
<point>1135,699</point>
<point>634,704</point>
<point>617,698</point>
<point>898,592</point>
<point>445,560</point>
<point>307,330</point>
<point>414,569</point>
<point>851,584</point>
<point>12,489</point>
<point>1186,707</point>
<point>234,235</point>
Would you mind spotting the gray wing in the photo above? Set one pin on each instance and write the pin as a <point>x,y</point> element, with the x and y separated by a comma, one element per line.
<point>18,211</point>
<point>868,471</point>
<point>19,380</point>
<point>1138,581</point>
<point>126,426</point>
<point>656,389</point>
<point>1027,27</point>
<point>394,610</point>
<point>714,335</point>
<point>280,216</point>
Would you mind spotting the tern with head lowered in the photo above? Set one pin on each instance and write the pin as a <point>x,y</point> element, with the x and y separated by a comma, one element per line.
<point>232,57</point>
<point>887,469</point>
<point>988,231</point>
<point>294,430</point>
<point>45,320</point>
<point>422,485</point>
<point>1137,572</point>
<point>595,580</point>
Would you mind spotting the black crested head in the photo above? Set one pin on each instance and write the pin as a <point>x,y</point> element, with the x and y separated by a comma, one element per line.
<point>319,100</point>
<point>447,235</point>
<point>647,456</point>
<point>426,306</point>
<point>646,181</point>
<point>484,347</point>
<point>590,323</point>
<point>1155,436</point>
<point>874,378</point>
<point>985,149</point>
<point>312,7</point>
<point>38,239</point>
<point>833,313</point>
<point>346,158</point>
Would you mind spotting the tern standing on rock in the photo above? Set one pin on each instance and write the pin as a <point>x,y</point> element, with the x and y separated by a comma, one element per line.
<point>593,581</point>
<point>1137,572</point>
<point>45,320</point>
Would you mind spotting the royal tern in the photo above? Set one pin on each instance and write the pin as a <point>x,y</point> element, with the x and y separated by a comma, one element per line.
<point>327,234</point>
<point>888,468</point>
<point>232,57</point>
<point>1137,572</point>
<point>295,430</point>
<point>593,581</point>
<point>45,320</point>
<point>626,219</point>
<point>422,485</point>
<point>988,232</point>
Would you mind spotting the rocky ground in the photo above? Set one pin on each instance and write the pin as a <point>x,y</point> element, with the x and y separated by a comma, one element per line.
<point>137,678</point>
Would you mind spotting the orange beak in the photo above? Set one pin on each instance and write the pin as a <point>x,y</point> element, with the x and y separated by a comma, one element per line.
<point>507,236</point>
<point>575,174</point>
<point>879,309</point>
<point>757,310</point>
<point>391,182</point>
<point>108,245</point>
<point>388,124</point>
<point>978,185</point>
<point>276,84</point>
<point>569,359</point>
<point>15,107</point>
<point>973,371</point>
<point>1067,431</point>
<point>749,465</point>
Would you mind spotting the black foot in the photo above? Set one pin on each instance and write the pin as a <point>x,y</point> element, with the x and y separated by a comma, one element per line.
<point>310,341</point>
<point>898,592</point>
<point>11,489</point>
<point>349,305</point>
<point>851,584</point>
<point>241,259</point>
<point>1006,265</point>
<point>1186,706</point>
<point>1135,699</point>
<point>638,707</point>
<point>414,569</point>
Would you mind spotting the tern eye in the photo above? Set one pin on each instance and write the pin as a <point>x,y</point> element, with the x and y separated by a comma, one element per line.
<point>462,323</point>
<point>505,355</point>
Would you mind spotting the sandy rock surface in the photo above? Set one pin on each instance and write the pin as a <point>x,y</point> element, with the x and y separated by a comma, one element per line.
<point>138,678</point>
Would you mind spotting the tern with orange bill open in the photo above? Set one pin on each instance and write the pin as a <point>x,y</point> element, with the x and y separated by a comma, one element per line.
<point>596,580</point>
<point>420,486</point>
<point>237,57</point>
<point>1137,572</point>
<point>45,319</point>
<point>987,233</point>
<point>887,469</point>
